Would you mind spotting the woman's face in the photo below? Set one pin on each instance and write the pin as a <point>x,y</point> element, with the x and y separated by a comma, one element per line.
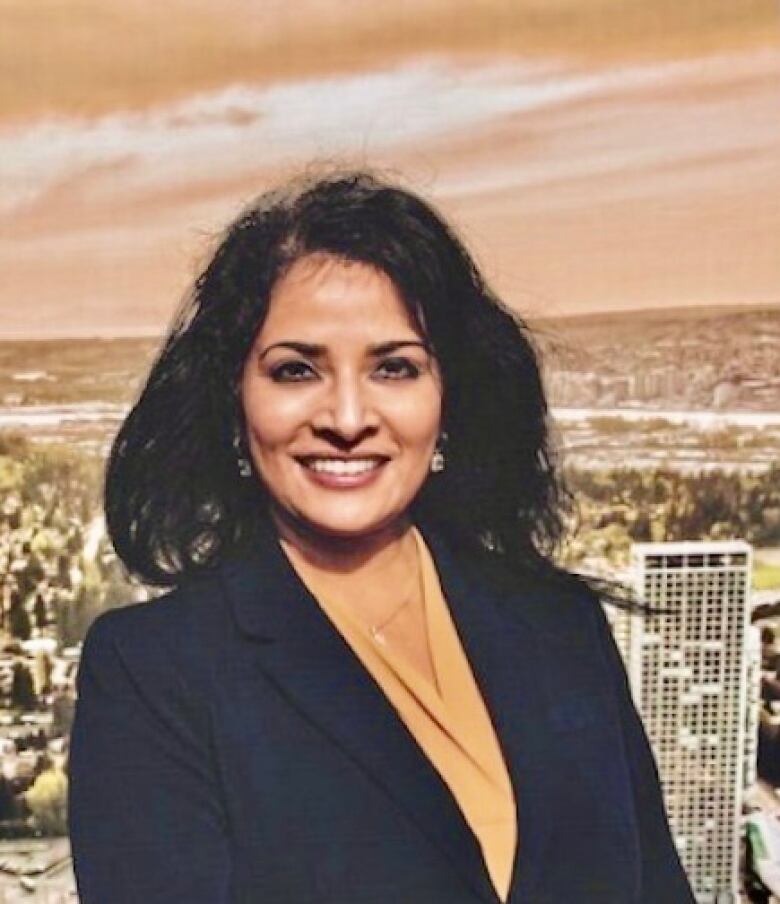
<point>341,398</point>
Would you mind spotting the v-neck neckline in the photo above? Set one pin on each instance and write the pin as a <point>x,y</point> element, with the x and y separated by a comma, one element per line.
<point>420,685</point>
<point>454,701</point>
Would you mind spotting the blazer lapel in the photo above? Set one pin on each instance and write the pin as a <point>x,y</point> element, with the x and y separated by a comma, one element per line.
<point>508,663</point>
<point>298,648</point>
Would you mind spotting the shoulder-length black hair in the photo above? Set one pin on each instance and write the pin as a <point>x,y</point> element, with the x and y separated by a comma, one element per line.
<point>176,503</point>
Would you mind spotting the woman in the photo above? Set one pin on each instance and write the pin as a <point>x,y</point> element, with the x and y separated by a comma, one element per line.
<point>370,684</point>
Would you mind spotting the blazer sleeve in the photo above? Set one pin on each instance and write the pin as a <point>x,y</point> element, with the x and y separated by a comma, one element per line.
<point>662,875</point>
<point>144,813</point>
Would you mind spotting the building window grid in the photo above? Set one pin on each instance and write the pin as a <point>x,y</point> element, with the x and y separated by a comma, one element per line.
<point>696,618</point>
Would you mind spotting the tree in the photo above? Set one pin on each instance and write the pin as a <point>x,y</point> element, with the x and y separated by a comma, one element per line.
<point>19,622</point>
<point>639,530</point>
<point>22,689</point>
<point>40,612</point>
<point>63,708</point>
<point>47,799</point>
<point>8,808</point>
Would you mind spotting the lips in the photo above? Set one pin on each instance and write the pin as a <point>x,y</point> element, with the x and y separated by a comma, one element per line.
<point>341,470</point>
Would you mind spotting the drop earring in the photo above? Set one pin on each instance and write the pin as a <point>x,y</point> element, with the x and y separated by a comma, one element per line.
<point>437,459</point>
<point>242,462</point>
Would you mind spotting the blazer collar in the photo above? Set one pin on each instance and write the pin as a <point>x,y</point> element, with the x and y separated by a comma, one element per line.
<point>261,582</point>
<point>298,649</point>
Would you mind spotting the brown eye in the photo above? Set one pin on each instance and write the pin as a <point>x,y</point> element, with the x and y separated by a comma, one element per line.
<point>292,372</point>
<point>398,369</point>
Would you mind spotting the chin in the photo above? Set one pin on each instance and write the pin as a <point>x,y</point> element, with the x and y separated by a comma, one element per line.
<point>343,528</point>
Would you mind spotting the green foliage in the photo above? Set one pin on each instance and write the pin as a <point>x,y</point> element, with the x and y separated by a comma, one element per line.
<point>11,472</point>
<point>62,568</point>
<point>766,576</point>
<point>667,505</point>
<point>47,799</point>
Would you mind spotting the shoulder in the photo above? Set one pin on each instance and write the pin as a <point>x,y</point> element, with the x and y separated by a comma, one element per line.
<point>144,698</point>
<point>193,608</point>
<point>559,606</point>
<point>179,636</point>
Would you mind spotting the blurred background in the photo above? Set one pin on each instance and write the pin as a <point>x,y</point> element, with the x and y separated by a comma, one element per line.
<point>614,165</point>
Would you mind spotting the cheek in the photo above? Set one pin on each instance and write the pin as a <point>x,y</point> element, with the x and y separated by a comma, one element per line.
<point>418,420</point>
<point>270,419</point>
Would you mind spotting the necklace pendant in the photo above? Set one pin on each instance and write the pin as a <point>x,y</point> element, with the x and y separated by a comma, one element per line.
<point>378,636</point>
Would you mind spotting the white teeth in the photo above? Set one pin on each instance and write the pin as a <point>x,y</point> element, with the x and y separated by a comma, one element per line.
<point>336,466</point>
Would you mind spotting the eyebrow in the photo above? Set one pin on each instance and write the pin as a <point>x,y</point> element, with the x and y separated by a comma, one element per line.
<point>318,351</point>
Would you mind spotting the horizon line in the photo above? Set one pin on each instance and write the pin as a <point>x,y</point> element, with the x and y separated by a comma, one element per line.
<point>735,307</point>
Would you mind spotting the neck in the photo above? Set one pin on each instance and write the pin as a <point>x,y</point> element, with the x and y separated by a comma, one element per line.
<point>373,552</point>
<point>375,574</point>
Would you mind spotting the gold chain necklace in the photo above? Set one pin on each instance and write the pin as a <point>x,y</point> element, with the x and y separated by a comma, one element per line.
<point>377,630</point>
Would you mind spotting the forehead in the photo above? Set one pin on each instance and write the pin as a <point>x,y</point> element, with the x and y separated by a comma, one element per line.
<point>322,296</point>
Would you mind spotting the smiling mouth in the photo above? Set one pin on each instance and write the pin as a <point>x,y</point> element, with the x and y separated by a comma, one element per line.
<point>341,466</point>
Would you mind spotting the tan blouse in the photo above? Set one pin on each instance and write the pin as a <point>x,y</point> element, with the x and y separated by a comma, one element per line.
<point>449,721</point>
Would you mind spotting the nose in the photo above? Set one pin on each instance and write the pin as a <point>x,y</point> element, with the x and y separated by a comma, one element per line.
<point>347,411</point>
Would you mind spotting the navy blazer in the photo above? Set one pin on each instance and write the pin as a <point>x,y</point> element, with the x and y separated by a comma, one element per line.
<point>229,747</point>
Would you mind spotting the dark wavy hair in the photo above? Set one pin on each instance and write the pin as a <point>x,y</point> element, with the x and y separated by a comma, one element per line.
<point>175,501</point>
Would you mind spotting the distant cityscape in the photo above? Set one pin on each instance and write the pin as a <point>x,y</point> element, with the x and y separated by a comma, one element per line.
<point>668,428</point>
<point>717,360</point>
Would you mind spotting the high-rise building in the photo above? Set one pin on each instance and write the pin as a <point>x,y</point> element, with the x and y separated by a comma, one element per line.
<point>688,668</point>
<point>753,704</point>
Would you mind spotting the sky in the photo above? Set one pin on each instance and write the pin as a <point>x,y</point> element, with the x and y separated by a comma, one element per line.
<point>601,156</point>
